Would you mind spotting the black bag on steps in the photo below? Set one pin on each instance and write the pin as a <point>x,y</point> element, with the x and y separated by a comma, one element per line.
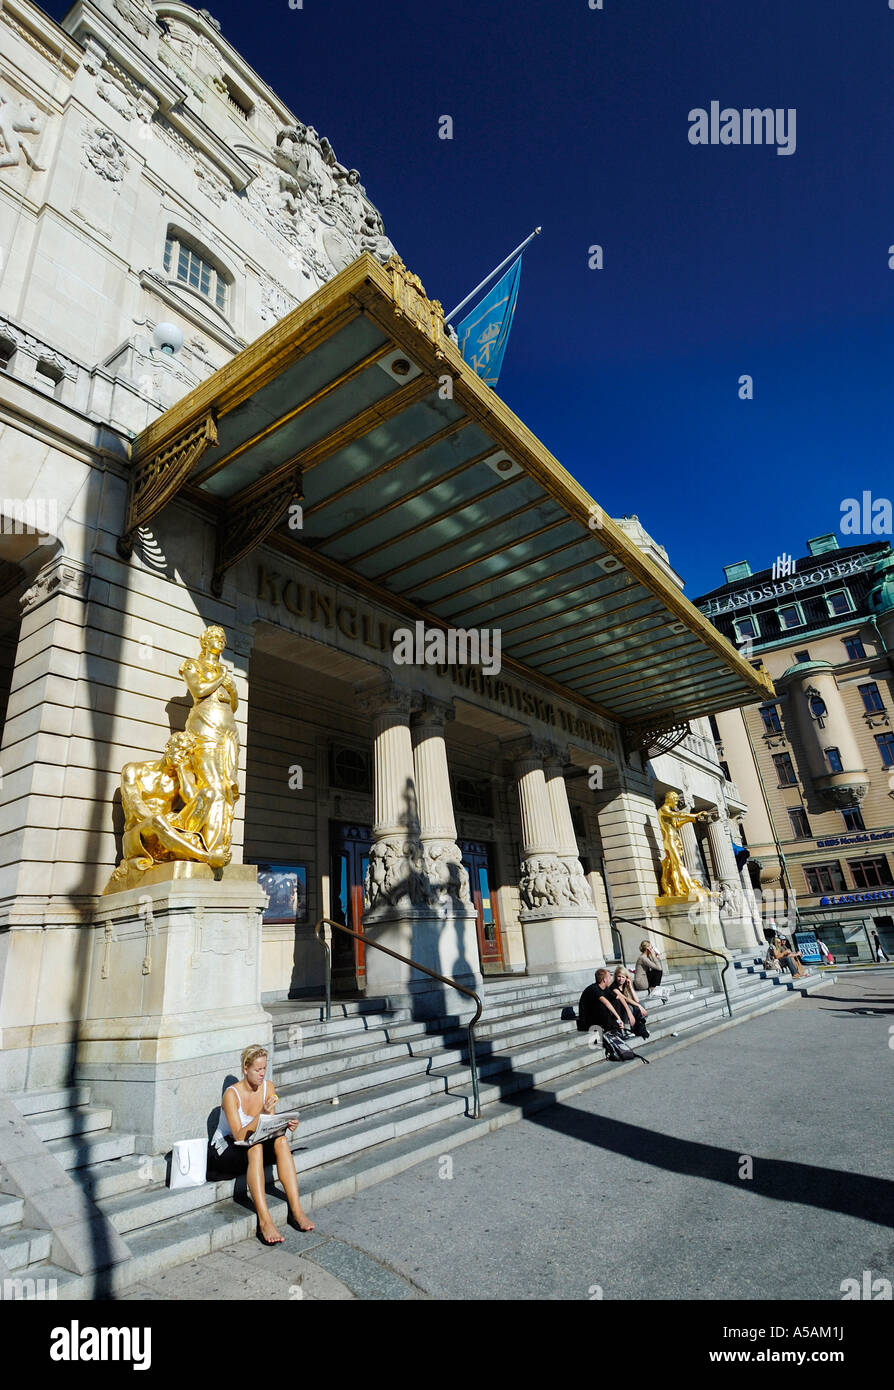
<point>616,1050</point>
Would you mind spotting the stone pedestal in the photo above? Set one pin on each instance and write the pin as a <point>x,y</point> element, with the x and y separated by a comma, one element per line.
<point>558,917</point>
<point>697,922</point>
<point>417,899</point>
<point>172,998</point>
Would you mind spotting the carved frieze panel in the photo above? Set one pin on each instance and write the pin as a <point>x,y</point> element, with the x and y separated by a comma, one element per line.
<point>20,123</point>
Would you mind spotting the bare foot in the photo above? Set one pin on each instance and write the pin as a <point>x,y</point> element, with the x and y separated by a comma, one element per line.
<point>269,1234</point>
<point>302,1221</point>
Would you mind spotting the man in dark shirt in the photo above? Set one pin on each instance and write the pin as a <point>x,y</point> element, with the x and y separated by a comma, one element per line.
<point>597,1006</point>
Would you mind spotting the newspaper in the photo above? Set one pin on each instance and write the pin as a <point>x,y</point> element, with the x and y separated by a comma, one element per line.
<point>269,1127</point>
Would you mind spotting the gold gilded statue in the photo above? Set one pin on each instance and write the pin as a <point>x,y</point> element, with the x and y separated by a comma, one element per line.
<point>677,883</point>
<point>181,806</point>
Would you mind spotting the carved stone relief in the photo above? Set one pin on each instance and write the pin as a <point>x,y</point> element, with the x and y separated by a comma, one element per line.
<point>105,154</point>
<point>18,119</point>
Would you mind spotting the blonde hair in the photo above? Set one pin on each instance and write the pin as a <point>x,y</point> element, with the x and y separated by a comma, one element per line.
<point>251,1054</point>
<point>645,946</point>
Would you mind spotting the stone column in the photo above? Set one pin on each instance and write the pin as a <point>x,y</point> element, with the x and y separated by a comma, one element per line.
<point>691,856</point>
<point>754,912</point>
<point>404,910</point>
<point>391,881</point>
<point>446,880</point>
<point>432,777</point>
<point>734,916</point>
<point>557,914</point>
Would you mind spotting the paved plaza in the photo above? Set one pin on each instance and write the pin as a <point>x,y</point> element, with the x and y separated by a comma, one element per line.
<point>639,1188</point>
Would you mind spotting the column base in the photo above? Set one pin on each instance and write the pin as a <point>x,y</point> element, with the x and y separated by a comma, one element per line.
<point>564,944</point>
<point>445,941</point>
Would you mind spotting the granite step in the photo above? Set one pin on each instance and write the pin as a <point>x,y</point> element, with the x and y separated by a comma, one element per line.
<point>90,1149</point>
<point>22,1246</point>
<point>80,1120</point>
<point>11,1210</point>
<point>42,1102</point>
<point>166,1228</point>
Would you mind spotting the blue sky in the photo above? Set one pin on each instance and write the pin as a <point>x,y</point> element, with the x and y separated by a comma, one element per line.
<point>718,260</point>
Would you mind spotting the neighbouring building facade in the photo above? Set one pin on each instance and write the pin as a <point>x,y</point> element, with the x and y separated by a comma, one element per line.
<point>226,402</point>
<point>815,762</point>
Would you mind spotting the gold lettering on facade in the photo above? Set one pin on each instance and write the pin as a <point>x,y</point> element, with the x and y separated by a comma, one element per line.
<point>268,590</point>
<point>298,605</point>
<point>320,603</point>
<point>346,620</point>
<point>377,635</point>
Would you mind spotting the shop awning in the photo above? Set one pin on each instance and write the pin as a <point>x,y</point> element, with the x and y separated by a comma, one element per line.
<point>420,487</point>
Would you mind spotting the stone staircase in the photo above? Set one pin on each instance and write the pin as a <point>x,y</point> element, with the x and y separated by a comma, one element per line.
<point>378,1092</point>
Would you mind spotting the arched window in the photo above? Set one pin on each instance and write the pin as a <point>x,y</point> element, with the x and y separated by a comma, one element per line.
<point>191,267</point>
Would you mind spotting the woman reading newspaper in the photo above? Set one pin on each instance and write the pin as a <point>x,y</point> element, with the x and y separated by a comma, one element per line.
<point>244,1107</point>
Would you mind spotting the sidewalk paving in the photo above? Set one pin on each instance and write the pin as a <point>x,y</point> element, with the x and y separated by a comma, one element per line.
<point>639,1188</point>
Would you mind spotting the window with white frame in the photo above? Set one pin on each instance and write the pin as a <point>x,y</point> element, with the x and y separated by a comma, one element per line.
<point>790,616</point>
<point>190,267</point>
<point>839,602</point>
<point>746,627</point>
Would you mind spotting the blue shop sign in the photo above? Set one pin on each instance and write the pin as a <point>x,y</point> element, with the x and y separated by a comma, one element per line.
<point>881,895</point>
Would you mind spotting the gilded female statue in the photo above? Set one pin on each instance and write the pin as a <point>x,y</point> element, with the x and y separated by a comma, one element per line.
<point>215,760</point>
<point>181,805</point>
<point>676,880</point>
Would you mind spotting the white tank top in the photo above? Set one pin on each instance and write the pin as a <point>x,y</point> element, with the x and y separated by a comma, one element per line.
<point>223,1131</point>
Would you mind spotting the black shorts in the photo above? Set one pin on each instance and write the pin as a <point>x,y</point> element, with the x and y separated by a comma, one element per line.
<point>234,1159</point>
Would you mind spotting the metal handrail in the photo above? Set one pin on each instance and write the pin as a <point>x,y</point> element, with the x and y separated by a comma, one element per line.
<point>444,979</point>
<point>706,950</point>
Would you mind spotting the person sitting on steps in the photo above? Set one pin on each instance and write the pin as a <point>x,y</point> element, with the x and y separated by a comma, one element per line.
<point>241,1106</point>
<point>648,972</point>
<point>783,953</point>
<point>625,998</point>
<point>598,1006</point>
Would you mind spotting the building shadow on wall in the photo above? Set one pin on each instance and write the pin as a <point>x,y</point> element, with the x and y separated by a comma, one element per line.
<point>95,725</point>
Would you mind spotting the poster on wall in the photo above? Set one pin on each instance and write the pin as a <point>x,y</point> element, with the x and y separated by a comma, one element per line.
<point>286,889</point>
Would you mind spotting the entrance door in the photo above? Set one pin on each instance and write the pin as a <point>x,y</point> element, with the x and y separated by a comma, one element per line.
<point>478,860</point>
<point>349,847</point>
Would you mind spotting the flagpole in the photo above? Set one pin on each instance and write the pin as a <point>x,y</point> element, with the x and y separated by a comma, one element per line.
<point>510,257</point>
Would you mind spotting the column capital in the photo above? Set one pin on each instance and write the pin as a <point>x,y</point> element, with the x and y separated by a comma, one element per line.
<point>526,748</point>
<point>385,696</point>
<point>434,713</point>
<point>556,758</point>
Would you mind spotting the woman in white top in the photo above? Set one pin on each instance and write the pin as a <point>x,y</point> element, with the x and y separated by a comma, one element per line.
<point>241,1106</point>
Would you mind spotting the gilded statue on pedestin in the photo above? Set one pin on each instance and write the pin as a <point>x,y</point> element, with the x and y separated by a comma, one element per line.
<point>677,883</point>
<point>180,806</point>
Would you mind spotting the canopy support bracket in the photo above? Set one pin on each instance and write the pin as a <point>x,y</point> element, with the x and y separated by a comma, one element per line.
<point>250,516</point>
<point>158,478</point>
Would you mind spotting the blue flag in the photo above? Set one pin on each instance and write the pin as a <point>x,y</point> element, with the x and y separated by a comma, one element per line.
<point>484,334</point>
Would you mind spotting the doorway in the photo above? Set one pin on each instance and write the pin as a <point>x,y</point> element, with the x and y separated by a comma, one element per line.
<point>349,847</point>
<point>478,859</point>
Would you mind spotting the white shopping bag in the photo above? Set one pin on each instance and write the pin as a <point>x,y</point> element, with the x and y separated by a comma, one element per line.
<point>189,1161</point>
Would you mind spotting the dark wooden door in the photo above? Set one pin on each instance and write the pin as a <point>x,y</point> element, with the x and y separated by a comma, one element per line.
<point>349,856</point>
<point>478,859</point>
